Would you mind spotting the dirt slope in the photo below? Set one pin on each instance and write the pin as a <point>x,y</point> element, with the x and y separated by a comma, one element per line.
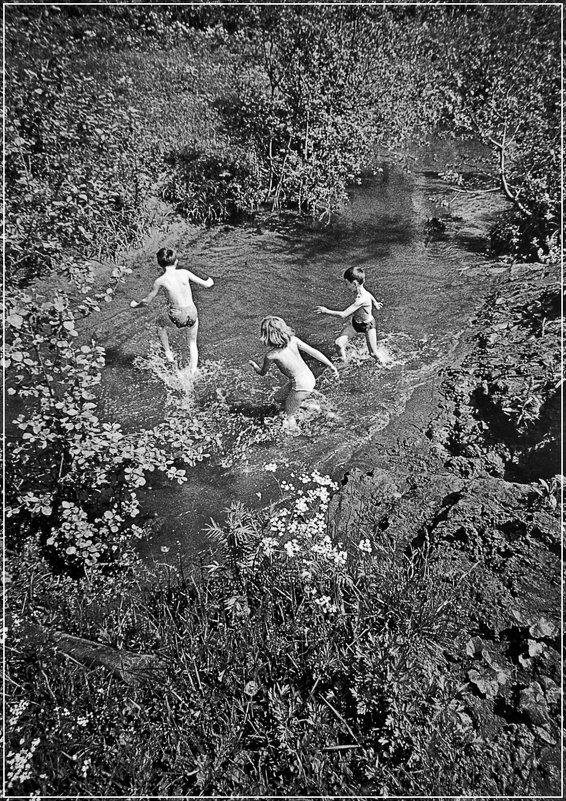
<point>468,472</point>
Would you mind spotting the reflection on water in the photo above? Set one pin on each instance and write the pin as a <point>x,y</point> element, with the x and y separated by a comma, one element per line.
<point>286,267</point>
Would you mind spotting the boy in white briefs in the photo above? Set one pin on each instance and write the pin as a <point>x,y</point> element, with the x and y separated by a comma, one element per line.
<point>182,310</point>
<point>285,354</point>
<point>362,322</point>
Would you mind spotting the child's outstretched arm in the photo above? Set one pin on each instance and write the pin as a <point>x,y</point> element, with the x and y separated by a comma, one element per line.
<point>205,282</point>
<point>148,298</point>
<point>335,313</point>
<point>377,303</point>
<point>264,367</point>
<point>316,354</point>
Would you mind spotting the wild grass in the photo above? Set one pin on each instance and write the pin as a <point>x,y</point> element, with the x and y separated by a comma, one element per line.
<point>288,664</point>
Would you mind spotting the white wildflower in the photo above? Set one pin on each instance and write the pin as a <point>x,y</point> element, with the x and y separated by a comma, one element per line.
<point>17,711</point>
<point>292,548</point>
<point>269,544</point>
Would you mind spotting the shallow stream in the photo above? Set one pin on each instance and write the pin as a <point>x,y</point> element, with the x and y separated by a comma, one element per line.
<point>422,273</point>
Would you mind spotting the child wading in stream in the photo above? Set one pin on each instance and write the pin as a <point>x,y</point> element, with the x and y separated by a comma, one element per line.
<point>286,355</point>
<point>182,310</point>
<point>362,321</point>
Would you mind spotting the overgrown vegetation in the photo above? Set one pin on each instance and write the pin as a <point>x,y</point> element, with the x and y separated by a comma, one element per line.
<point>503,85</point>
<point>223,112</point>
<point>293,664</point>
<point>289,665</point>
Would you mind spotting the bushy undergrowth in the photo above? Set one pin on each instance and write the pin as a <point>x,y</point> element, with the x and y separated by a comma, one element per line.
<point>103,115</point>
<point>221,112</point>
<point>78,170</point>
<point>289,664</point>
<point>503,84</point>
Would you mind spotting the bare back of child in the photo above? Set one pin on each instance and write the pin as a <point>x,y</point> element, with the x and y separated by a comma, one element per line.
<point>182,311</point>
<point>285,354</point>
<point>358,318</point>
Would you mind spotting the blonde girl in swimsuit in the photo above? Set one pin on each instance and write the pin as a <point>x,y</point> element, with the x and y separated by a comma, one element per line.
<point>362,321</point>
<point>181,308</point>
<point>286,355</point>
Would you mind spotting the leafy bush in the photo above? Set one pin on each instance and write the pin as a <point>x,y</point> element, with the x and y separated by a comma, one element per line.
<point>302,107</point>
<point>502,85</point>
<point>72,479</point>
<point>206,188</point>
<point>78,173</point>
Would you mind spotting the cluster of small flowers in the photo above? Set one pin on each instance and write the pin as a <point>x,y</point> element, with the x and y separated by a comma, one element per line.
<point>318,478</point>
<point>86,766</point>
<point>292,548</point>
<point>328,551</point>
<point>325,604</point>
<point>302,528</point>
<point>365,545</point>
<point>19,765</point>
<point>17,711</point>
<point>286,523</point>
<point>269,544</point>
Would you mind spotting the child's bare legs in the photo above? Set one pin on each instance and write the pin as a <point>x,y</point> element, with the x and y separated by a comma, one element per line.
<point>193,347</point>
<point>379,354</point>
<point>191,342</point>
<point>292,402</point>
<point>164,339</point>
<point>291,399</point>
<point>341,343</point>
<point>281,394</point>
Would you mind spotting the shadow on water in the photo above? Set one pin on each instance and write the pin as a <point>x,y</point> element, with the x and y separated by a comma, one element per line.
<point>287,266</point>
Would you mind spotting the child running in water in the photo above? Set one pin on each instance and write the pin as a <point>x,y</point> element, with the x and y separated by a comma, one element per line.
<point>182,310</point>
<point>285,354</point>
<point>362,321</point>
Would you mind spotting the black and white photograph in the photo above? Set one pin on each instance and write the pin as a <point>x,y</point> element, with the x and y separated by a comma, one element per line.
<point>283,383</point>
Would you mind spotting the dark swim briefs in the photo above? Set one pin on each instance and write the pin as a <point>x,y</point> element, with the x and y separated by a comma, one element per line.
<point>183,316</point>
<point>362,328</point>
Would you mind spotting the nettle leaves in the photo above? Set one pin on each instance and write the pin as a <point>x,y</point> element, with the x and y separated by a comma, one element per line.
<point>535,632</point>
<point>492,673</point>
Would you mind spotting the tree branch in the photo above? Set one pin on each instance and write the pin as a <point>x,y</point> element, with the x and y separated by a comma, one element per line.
<point>509,192</point>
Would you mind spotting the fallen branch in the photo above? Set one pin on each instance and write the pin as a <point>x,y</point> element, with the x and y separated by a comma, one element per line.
<point>130,667</point>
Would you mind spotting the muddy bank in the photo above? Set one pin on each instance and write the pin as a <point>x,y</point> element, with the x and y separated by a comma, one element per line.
<point>468,473</point>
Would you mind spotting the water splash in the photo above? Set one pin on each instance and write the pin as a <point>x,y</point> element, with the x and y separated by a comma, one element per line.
<point>235,408</point>
<point>186,390</point>
<point>178,383</point>
<point>396,349</point>
<point>316,415</point>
